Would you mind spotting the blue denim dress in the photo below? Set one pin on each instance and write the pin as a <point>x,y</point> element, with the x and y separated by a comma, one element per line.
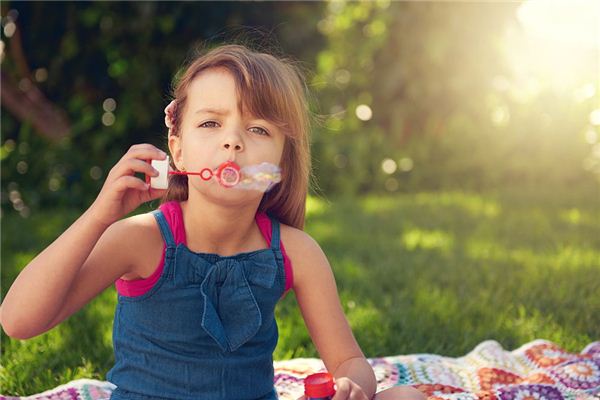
<point>206,329</point>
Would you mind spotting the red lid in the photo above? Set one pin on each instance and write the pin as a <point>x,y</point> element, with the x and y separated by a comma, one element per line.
<point>319,385</point>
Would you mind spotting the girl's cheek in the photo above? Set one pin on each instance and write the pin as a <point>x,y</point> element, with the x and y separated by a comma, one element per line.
<point>203,134</point>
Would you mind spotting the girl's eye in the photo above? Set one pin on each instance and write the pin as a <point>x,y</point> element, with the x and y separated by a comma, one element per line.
<point>213,124</point>
<point>207,122</point>
<point>262,132</point>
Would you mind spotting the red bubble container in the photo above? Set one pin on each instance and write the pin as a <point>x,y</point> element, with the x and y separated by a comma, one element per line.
<point>319,386</point>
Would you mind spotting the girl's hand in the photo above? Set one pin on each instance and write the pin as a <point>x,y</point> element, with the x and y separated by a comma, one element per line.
<point>346,389</point>
<point>122,191</point>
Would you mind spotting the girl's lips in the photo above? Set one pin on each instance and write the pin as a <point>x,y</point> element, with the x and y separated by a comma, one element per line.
<point>227,162</point>
<point>228,174</point>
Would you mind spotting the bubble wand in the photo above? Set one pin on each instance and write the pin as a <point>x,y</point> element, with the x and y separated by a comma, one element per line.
<point>261,177</point>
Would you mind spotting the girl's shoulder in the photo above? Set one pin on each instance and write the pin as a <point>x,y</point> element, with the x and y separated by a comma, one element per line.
<point>304,253</point>
<point>295,238</point>
<point>145,245</point>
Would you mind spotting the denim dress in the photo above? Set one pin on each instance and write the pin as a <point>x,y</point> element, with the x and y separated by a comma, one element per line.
<point>205,330</point>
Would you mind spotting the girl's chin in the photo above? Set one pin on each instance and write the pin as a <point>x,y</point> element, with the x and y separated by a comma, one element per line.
<point>231,195</point>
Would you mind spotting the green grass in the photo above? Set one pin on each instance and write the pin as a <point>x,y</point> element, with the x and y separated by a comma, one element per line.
<point>418,273</point>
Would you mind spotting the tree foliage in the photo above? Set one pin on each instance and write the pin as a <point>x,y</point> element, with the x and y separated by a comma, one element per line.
<point>449,108</point>
<point>109,67</point>
<point>406,95</point>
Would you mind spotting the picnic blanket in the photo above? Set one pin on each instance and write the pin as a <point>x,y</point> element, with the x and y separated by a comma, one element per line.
<point>537,370</point>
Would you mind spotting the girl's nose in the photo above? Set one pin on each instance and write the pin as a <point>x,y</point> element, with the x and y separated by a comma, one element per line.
<point>233,141</point>
<point>235,146</point>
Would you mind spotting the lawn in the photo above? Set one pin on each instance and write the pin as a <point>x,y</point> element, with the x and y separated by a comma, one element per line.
<point>434,272</point>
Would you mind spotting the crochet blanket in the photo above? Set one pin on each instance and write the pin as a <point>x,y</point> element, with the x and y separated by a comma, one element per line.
<point>537,370</point>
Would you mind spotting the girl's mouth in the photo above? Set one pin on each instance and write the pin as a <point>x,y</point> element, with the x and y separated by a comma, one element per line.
<point>228,174</point>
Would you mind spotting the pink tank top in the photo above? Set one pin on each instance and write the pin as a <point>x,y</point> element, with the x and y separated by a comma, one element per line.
<point>174,216</point>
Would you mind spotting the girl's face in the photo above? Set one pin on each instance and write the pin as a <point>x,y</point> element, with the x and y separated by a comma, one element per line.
<point>213,131</point>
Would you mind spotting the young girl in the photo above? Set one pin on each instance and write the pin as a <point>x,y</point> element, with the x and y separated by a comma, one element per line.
<point>199,278</point>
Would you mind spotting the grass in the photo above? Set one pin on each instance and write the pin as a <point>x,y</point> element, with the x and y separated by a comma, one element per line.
<point>417,273</point>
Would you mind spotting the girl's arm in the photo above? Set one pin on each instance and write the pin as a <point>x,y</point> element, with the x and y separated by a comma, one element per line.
<point>317,296</point>
<point>86,258</point>
<point>38,294</point>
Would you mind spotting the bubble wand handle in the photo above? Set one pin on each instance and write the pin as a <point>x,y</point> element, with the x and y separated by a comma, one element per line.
<point>206,174</point>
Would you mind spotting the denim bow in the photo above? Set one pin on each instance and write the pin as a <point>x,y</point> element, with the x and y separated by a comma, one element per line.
<point>231,314</point>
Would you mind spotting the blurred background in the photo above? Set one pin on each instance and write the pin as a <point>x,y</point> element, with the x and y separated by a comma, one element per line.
<point>411,95</point>
<point>456,155</point>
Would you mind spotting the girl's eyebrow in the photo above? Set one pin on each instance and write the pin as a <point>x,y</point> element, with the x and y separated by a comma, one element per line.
<point>217,111</point>
<point>222,111</point>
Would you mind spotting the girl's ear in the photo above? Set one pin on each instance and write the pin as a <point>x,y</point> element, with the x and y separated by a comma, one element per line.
<point>176,153</point>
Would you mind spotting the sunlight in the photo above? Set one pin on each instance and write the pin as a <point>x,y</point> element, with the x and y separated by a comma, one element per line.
<point>315,206</point>
<point>475,204</point>
<point>573,22</point>
<point>555,44</point>
<point>535,261</point>
<point>427,240</point>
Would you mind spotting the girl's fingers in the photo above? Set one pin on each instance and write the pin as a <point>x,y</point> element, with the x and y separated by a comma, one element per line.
<point>135,160</point>
<point>343,389</point>
<point>130,182</point>
<point>144,152</point>
<point>348,390</point>
<point>133,165</point>
<point>153,194</point>
<point>358,395</point>
<point>144,147</point>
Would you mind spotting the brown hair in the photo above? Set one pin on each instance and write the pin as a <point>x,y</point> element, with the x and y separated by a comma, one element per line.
<point>271,88</point>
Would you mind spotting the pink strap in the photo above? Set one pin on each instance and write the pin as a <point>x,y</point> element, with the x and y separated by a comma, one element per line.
<point>174,216</point>
<point>137,287</point>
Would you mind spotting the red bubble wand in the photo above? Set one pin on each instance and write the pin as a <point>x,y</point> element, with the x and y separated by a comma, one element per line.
<point>260,177</point>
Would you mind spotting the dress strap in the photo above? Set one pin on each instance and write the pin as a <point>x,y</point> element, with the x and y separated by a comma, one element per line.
<point>274,233</point>
<point>165,229</point>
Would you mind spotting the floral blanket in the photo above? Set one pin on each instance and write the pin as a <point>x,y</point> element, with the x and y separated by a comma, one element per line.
<point>537,370</point>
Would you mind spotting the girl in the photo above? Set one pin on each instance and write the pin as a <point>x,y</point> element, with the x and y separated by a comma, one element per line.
<point>199,278</point>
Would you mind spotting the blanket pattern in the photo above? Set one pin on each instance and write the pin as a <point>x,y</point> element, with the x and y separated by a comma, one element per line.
<point>535,371</point>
